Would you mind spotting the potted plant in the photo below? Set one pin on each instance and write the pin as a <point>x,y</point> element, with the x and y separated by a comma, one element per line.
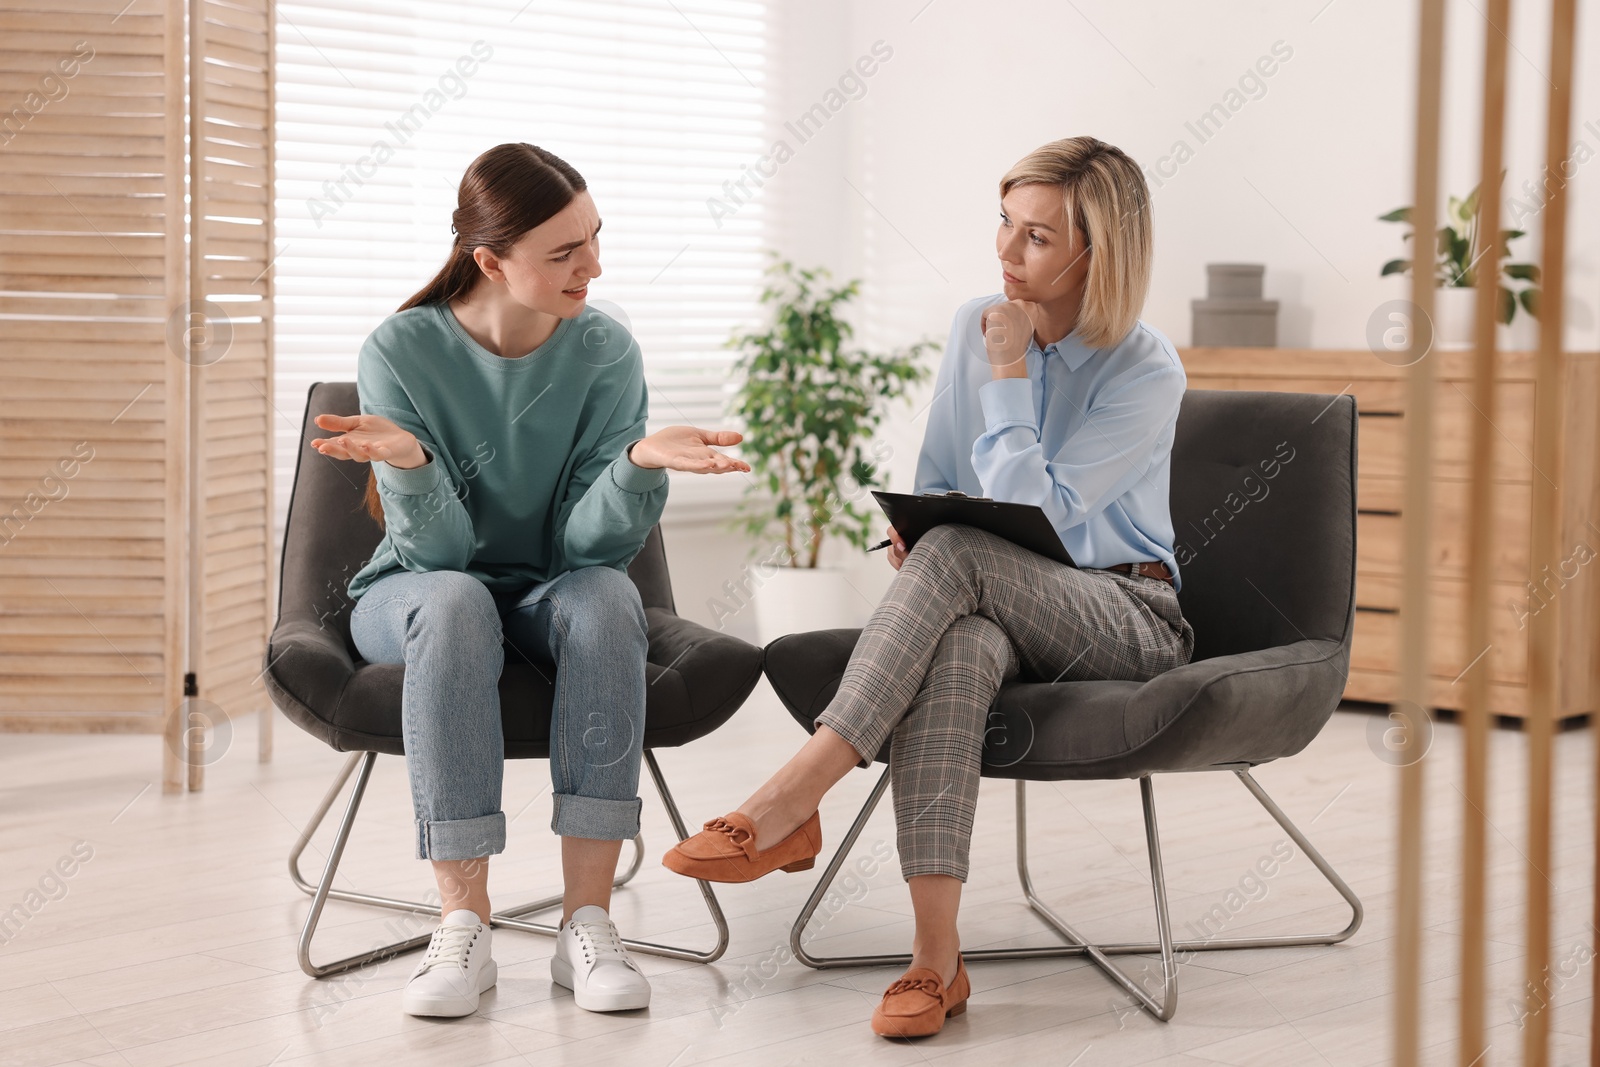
<point>809,402</point>
<point>1459,248</point>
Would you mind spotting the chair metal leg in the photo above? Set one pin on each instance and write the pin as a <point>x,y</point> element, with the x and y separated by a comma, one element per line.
<point>828,875</point>
<point>1164,1008</point>
<point>1077,945</point>
<point>510,918</point>
<point>331,867</point>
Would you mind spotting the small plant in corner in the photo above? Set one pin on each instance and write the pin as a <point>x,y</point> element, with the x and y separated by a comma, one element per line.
<point>810,401</point>
<point>1458,251</point>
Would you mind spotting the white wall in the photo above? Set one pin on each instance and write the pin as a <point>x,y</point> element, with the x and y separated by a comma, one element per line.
<point>808,212</point>
<point>900,187</point>
<point>1294,179</point>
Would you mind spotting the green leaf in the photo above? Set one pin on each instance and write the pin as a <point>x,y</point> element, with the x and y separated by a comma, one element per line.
<point>1527,272</point>
<point>1395,266</point>
<point>1399,214</point>
<point>1530,301</point>
<point>1506,306</point>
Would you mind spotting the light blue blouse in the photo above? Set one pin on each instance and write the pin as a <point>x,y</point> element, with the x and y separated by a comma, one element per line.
<point>1087,436</point>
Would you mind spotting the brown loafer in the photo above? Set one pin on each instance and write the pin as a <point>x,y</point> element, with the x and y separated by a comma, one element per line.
<point>725,851</point>
<point>916,1004</point>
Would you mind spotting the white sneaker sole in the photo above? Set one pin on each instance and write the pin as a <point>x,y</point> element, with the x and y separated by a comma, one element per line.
<point>561,973</point>
<point>450,1007</point>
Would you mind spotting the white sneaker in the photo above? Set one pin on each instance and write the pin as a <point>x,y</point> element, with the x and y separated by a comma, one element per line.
<point>591,961</point>
<point>455,970</point>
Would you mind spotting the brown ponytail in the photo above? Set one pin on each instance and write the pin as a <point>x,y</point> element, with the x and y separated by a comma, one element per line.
<point>506,192</point>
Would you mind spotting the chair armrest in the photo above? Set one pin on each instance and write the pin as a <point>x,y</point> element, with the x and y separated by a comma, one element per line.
<point>715,670</point>
<point>1247,707</point>
<point>307,666</point>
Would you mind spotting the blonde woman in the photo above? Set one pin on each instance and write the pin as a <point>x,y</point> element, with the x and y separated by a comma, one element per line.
<point>1051,393</point>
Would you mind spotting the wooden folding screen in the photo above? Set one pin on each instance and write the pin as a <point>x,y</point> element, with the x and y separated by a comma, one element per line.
<point>102,263</point>
<point>1545,545</point>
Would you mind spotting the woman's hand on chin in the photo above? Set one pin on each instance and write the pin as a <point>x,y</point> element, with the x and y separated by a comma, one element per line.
<point>687,448</point>
<point>1007,329</point>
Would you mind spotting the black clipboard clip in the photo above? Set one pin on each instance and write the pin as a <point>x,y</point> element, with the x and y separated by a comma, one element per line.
<point>1024,525</point>
<point>948,493</point>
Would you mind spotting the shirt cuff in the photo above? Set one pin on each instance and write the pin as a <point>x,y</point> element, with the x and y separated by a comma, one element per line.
<point>1007,402</point>
<point>632,478</point>
<point>416,481</point>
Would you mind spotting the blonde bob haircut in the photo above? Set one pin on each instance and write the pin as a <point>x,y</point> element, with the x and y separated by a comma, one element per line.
<point>1105,197</point>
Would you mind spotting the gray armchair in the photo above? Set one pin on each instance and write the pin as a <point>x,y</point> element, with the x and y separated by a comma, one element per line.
<point>1263,501</point>
<point>697,678</point>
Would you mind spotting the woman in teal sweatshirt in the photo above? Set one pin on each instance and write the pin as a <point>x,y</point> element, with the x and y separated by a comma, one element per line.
<point>504,421</point>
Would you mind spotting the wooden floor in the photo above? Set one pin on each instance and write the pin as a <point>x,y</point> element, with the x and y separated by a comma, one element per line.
<point>175,941</point>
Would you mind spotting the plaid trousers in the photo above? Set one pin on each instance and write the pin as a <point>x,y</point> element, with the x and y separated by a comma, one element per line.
<point>967,612</point>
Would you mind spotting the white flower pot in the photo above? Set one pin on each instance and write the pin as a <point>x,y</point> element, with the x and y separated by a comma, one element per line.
<point>1453,310</point>
<point>793,600</point>
<point>1452,318</point>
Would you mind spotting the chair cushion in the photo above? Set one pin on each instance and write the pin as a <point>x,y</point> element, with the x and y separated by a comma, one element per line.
<point>695,679</point>
<point>1224,710</point>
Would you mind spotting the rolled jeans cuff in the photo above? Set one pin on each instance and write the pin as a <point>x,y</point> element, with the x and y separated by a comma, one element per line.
<point>603,820</point>
<point>461,839</point>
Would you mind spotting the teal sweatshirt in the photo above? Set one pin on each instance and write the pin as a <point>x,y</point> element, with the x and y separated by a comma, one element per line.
<point>528,476</point>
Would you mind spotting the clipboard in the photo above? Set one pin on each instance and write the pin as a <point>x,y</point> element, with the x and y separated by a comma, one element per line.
<point>1024,525</point>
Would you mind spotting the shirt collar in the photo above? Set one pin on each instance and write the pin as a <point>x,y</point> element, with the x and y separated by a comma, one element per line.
<point>1072,351</point>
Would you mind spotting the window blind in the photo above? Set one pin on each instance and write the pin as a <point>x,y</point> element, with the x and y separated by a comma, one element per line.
<point>381,106</point>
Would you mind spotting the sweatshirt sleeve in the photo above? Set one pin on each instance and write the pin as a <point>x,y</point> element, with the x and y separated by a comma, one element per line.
<point>427,524</point>
<point>1101,461</point>
<point>611,504</point>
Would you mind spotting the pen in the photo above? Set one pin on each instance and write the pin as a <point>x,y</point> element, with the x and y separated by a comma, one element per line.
<point>880,544</point>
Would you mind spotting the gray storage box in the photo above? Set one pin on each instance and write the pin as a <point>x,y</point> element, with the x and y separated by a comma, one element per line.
<point>1234,281</point>
<point>1235,323</point>
<point>1233,315</point>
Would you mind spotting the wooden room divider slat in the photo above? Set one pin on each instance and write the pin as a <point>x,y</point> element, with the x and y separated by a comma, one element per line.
<point>1481,570</point>
<point>99,353</point>
<point>1544,637</point>
<point>1411,704</point>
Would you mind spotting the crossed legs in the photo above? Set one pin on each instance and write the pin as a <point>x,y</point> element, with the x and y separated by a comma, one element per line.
<point>936,752</point>
<point>966,612</point>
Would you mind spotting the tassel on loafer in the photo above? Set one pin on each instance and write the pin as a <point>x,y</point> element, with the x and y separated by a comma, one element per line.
<point>725,851</point>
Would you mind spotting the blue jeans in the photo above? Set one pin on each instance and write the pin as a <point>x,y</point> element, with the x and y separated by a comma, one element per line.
<point>586,628</point>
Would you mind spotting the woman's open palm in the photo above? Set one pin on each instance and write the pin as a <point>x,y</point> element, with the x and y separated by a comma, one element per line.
<point>688,448</point>
<point>366,438</point>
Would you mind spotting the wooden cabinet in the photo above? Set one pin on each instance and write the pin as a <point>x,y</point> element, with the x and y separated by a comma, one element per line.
<point>1379,389</point>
